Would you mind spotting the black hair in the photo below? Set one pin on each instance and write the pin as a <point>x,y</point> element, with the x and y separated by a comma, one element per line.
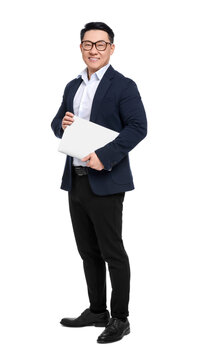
<point>98,26</point>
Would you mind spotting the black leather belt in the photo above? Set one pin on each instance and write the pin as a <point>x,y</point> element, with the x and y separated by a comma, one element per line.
<point>80,170</point>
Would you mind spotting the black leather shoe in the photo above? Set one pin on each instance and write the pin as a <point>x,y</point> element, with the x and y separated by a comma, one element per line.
<point>114,331</point>
<point>87,318</point>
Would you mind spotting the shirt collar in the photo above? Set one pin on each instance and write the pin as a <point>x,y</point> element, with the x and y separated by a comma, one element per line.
<point>102,71</point>
<point>98,74</point>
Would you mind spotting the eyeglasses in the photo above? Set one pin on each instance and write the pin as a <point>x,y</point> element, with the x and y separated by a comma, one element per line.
<point>100,45</point>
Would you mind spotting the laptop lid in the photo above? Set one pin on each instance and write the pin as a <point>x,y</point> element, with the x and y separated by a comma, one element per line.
<point>83,137</point>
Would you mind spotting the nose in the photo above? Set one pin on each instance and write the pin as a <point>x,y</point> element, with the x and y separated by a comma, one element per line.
<point>93,49</point>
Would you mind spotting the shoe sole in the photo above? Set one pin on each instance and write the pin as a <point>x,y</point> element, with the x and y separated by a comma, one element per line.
<point>126,332</point>
<point>78,326</point>
<point>100,324</point>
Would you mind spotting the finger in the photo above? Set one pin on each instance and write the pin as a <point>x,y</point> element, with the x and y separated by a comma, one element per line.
<point>67,123</point>
<point>68,118</point>
<point>86,158</point>
<point>69,114</point>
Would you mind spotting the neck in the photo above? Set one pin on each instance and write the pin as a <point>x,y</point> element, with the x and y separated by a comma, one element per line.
<point>90,72</point>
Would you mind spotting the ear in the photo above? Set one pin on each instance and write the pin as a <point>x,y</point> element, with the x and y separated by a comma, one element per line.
<point>112,49</point>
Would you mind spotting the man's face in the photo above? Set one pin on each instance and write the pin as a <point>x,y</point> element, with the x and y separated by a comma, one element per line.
<point>93,58</point>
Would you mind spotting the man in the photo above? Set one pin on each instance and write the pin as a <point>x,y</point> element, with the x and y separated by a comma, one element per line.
<point>97,184</point>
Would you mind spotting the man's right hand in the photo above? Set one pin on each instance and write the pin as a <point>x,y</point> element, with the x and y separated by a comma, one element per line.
<point>67,120</point>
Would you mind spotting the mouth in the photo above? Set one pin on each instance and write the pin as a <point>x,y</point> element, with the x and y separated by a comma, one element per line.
<point>93,59</point>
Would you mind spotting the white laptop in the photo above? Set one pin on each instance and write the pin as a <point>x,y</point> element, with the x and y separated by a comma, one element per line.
<point>83,137</point>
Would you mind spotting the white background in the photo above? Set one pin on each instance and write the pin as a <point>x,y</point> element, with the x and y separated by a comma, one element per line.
<point>42,280</point>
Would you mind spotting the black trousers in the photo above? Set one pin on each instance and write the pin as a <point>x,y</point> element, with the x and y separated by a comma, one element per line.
<point>97,226</point>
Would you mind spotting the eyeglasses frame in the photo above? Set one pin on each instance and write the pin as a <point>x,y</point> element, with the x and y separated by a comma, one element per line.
<point>94,43</point>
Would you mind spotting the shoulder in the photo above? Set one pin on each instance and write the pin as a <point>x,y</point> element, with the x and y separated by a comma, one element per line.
<point>121,82</point>
<point>71,84</point>
<point>111,72</point>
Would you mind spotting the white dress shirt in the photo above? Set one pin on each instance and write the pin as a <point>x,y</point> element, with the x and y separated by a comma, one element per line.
<point>84,96</point>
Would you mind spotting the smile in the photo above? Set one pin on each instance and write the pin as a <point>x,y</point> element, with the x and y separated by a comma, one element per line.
<point>93,59</point>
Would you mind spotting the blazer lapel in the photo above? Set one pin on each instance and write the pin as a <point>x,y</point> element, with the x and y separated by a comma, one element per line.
<point>72,91</point>
<point>100,92</point>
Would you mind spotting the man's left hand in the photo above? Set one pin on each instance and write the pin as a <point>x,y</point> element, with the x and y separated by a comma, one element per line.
<point>93,161</point>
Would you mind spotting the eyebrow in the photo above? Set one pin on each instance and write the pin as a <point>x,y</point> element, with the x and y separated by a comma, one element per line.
<point>94,41</point>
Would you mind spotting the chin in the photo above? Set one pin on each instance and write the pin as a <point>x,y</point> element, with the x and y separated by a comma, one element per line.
<point>94,67</point>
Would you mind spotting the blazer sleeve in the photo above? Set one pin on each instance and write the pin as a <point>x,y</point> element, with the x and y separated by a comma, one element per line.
<point>133,116</point>
<point>56,123</point>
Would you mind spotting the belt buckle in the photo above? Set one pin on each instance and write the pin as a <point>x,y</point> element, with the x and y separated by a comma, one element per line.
<point>80,174</point>
<point>80,170</point>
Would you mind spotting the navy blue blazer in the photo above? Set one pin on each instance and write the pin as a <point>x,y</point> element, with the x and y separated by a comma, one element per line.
<point>117,105</point>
